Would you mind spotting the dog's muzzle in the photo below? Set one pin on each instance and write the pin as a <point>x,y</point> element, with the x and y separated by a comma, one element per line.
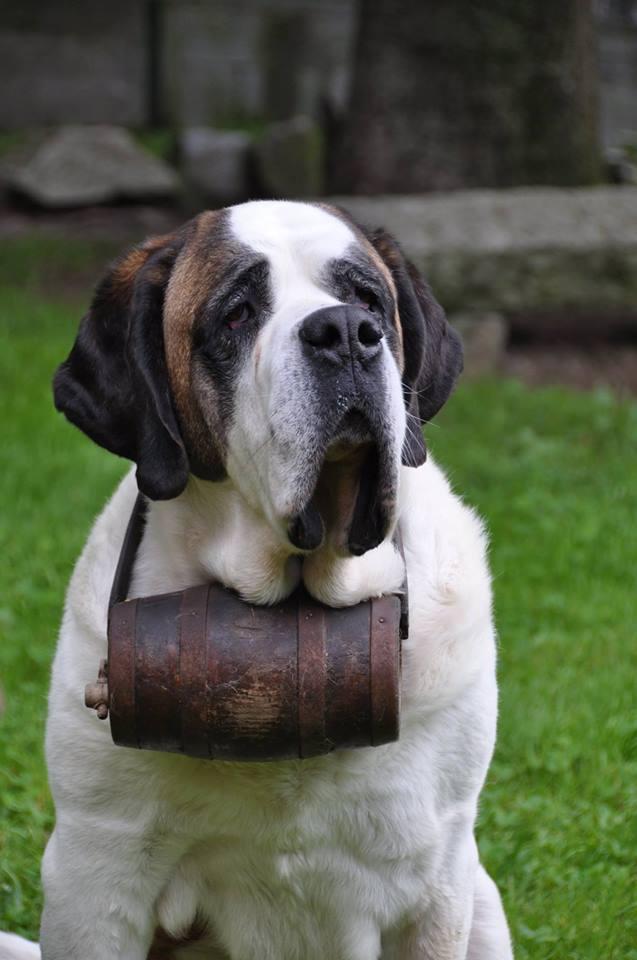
<point>343,350</point>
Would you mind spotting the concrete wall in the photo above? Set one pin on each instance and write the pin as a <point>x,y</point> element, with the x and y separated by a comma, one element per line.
<point>65,61</point>
<point>233,60</point>
<point>618,69</point>
<point>221,62</point>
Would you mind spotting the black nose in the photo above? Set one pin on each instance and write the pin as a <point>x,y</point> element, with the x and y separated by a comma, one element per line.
<point>343,332</point>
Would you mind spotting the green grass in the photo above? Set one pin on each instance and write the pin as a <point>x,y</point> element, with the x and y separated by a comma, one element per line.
<point>51,484</point>
<point>553,473</point>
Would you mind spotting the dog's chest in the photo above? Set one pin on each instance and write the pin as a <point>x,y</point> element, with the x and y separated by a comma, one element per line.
<point>309,864</point>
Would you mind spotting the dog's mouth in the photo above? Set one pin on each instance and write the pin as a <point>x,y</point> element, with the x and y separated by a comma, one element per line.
<point>352,503</point>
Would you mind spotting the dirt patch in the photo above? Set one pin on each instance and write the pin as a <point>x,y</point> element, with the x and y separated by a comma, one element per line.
<point>126,223</point>
<point>583,368</point>
<point>61,255</point>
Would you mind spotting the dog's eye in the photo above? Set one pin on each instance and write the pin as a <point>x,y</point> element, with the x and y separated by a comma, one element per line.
<point>365,298</point>
<point>239,315</point>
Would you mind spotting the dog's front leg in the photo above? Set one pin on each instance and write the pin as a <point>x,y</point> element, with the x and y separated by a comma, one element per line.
<point>489,939</point>
<point>100,887</point>
<point>466,924</point>
<point>440,931</point>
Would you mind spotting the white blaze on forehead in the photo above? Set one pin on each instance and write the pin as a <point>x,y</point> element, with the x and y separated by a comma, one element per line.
<point>297,238</point>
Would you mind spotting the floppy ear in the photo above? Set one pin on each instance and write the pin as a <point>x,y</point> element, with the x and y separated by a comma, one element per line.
<point>431,347</point>
<point>114,384</point>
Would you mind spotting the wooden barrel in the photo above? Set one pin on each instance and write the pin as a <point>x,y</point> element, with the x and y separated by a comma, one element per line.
<point>203,673</point>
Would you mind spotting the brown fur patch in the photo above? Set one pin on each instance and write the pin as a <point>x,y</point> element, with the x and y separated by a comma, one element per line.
<point>200,268</point>
<point>386,256</point>
<point>127,268</point>
<point>382,266</point>
<point>383,252</point>
<point>202,255</point>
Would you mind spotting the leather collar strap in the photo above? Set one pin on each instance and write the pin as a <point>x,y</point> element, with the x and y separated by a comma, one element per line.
<point>126,562</point>
<point>403,626</point>
<point>133,537</point>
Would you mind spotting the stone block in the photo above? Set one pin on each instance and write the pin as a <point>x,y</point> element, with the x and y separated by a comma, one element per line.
<point>67,62</point>
<point>215,164</point>
<point>484,338</point>
<point>534,248</point>
<point>225,62</point>
<point>290,160</point>
<point>621,166</point>
<point>79,166</point>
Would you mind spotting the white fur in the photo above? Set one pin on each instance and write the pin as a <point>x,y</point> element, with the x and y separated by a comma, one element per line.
<point>333,857</point>
<point>272,435</point>
<point>15,948</point>
<point>358,855</point>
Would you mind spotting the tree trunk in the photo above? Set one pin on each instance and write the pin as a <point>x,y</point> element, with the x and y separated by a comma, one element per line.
<point>467,93</point>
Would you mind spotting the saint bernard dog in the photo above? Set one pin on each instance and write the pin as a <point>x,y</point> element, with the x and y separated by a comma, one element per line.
<point>269,368</point>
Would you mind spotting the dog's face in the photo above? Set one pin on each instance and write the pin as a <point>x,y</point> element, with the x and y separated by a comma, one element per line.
<point>275,344</point>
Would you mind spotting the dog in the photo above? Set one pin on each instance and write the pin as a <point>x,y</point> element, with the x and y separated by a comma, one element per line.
<point>268,368</point>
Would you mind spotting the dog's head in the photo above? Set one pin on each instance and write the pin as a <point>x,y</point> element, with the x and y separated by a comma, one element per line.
<point>275,344</point>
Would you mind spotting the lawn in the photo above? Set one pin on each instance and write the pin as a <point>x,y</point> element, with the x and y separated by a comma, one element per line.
<point>553,473</point>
